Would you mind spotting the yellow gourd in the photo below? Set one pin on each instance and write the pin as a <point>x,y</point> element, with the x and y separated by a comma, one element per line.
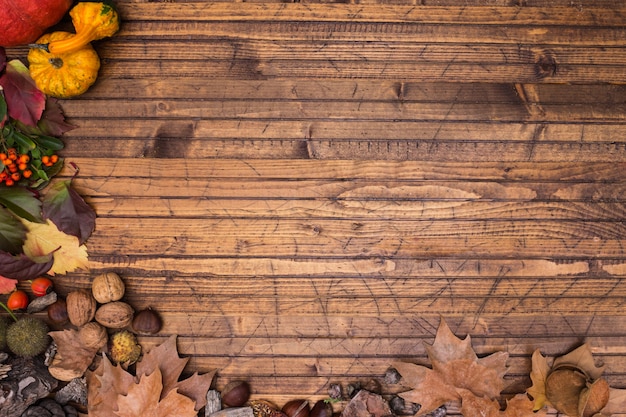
<point>92,21</point>
<point>63,75</point>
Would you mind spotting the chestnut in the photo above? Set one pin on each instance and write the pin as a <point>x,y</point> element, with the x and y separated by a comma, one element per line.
<point>147,322</point>
<point>235,394</point>
<point>296,408</point>
<point>322,408</point>
<point>57,312</point>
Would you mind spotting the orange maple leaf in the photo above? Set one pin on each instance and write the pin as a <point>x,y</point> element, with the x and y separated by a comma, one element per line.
<point>144,400</point>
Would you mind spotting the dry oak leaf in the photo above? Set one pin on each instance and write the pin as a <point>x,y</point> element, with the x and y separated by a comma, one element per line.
<point>72,357</point>
<point>617,403</point>
<point>144,400</point>
<point>45,238</point>
<point>455,367</point>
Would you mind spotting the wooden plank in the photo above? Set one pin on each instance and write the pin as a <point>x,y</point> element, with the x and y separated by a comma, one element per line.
<point>331,12</point>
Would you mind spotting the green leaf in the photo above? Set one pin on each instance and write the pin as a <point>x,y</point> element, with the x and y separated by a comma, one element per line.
<point>3,109</point>
<point>12,233</point>
<point>68,211</point>
<point>22,202</point>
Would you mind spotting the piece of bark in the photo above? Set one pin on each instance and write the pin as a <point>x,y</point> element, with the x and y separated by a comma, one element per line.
<point>27,381</point>
<point>213,402</point>
<point>234,412</point>
<point>367,404</point>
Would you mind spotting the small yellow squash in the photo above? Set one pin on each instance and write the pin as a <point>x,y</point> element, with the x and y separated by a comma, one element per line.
<point>92,21</point>
<point>63,75</point>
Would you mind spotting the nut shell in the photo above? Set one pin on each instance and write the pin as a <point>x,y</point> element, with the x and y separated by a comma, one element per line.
<point>563,389</point>
<point>115,315</point>
<point>93,335</point>
<point>81,307</point>
<point>108,287</point>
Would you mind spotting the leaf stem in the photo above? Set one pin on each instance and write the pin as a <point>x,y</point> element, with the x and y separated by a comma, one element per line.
<point>8,311</point>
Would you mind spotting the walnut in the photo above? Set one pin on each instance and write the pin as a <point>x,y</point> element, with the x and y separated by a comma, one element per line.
<point>108,287</point>
<point>81,307</point>
<point>115,315</point>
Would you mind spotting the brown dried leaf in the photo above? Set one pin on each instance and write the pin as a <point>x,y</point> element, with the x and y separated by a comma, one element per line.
<point>458,364</point>
<point>580,358</point>
<point>538,375</point>
<point>144,400</point>
<point>455,367</point>
<point>72,357</point>
<point>518,406</point>
<point>430,390</point>
<point>105,384</point>
<point>164,357</point>
<point>196,387</point>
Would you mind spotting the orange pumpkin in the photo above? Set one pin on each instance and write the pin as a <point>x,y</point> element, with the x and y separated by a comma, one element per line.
<point>23,21</point>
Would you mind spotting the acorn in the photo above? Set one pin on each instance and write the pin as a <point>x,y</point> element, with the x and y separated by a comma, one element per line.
<point>28,336</point>
<point>296,408</point>
<point>235,394</point>
<point>147,322</point>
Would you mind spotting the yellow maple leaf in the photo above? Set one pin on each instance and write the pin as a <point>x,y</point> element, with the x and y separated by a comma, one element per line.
<point>45,238</point>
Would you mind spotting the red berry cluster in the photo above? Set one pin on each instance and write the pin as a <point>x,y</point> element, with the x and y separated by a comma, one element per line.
<point>16,166</point>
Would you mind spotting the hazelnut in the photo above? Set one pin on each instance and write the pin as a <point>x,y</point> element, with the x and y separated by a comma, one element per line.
<point>93,335</point>
<point>147,322</point>
<point>108,287</point>
<point>235,394</point>
<point>57,312</point>
<point>115,315</point>
<point>296,408</point>
<point>81,307</point>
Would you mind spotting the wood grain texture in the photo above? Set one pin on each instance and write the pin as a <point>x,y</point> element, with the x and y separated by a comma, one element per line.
<point>304,189</point>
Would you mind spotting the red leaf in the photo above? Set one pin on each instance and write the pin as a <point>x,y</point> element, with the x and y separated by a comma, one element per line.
<point>24,100</point>
<point>67,209</point>
<point>52,120</point>
<point>3,59</point>
<point>7,285</point>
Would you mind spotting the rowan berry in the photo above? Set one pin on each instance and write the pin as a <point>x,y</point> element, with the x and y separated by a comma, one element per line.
<point>27,173</point>
<point>16,176</point>
<point>3,155</point>
<point>12,168</point>
<point>45,160</point>
<point>24,158</point>
<point>54,159</point>
<point>9,182</point>
<point>12,154</point>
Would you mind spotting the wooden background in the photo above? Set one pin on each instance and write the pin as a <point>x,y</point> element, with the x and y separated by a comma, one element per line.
<point>304,189</point>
